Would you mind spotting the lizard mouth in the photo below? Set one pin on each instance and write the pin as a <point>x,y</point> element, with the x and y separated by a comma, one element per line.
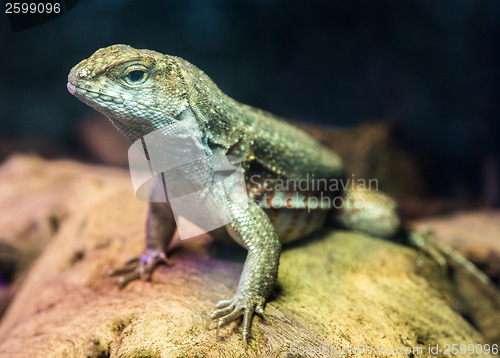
<point>86,95</point>
<point>71,88</point>
<point>73,85</point>
<point>79,93</point>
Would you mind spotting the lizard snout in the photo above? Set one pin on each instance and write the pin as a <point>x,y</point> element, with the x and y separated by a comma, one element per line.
<point>71,88</point>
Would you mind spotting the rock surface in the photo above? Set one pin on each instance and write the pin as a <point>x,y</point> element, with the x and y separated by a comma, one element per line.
<point>336,288</point>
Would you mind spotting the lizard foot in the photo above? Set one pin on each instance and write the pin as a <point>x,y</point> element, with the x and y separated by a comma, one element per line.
<point>140,267</point>
<point>230,310</point>
<point>424,240</point>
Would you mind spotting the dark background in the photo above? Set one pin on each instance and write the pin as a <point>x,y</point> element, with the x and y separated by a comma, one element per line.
<point>428,69</point>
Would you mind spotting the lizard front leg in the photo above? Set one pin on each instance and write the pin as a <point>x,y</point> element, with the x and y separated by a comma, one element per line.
<point>160,228</point>
<point>252,229</point>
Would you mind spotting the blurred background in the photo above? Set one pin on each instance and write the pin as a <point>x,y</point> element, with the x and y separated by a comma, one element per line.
<point>426,70</point>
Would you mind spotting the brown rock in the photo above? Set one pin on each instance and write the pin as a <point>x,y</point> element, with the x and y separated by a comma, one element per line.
<point>36,196</point>
<point>338,289</point>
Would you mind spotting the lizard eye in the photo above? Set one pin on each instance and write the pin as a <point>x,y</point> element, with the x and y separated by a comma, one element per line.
<point>136,77</point>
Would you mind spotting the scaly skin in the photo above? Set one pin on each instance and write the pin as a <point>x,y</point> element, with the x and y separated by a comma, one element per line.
<point>141,91</point>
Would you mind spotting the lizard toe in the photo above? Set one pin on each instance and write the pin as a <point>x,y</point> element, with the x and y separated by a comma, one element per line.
<point>222,312</point>
<point>140,267</point>
<point>124,280</point>
<point>223,303</point>
<point>230,310</point>
<point>423,240</point>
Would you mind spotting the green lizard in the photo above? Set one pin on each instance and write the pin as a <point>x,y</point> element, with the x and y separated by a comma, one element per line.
<point>141,91</point>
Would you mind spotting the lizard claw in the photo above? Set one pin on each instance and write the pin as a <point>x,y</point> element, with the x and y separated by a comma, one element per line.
<point>140,267</point>
<point>230,310</point>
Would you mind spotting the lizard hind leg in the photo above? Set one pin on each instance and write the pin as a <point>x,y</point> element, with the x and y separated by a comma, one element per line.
<point>369,211</point>
<point>375,213</point>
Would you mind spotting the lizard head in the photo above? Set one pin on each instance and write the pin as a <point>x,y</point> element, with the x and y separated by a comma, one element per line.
<point>138,90</point>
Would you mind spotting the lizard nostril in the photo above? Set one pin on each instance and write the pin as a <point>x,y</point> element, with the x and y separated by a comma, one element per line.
<point>72,76</point>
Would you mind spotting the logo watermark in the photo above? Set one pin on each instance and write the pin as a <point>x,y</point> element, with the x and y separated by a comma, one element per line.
<point>309,183</point>
<point>357,350</point>
<point>173,165</point>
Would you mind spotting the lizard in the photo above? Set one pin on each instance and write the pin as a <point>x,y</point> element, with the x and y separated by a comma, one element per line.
<point>141,91</point>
